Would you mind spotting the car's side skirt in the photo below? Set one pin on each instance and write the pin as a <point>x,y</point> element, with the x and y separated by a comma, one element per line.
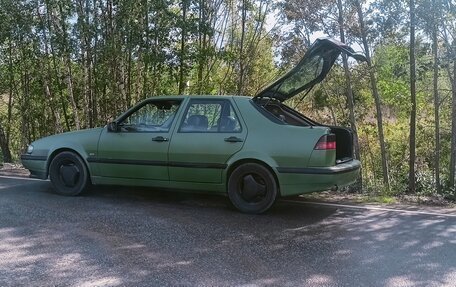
<point>158,163</point>
<point>181,186</point>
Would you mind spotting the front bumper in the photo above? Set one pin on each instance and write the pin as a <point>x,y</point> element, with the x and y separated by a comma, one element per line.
<point>295,181</point>
<point>37,165</point>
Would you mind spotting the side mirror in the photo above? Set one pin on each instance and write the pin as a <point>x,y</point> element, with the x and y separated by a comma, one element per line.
<point>113,127</point>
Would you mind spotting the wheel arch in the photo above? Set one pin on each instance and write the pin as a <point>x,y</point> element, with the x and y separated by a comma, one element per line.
<point>55,152</point>
<point>239,162</point>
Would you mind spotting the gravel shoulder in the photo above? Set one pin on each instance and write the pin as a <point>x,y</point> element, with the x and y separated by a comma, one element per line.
<point>9,169</point>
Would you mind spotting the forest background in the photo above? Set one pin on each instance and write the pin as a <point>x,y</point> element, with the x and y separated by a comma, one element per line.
<point>75,64</point>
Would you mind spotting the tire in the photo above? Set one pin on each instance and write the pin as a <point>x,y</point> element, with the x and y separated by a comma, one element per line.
<point>68,174</point>
<point>252,188</point>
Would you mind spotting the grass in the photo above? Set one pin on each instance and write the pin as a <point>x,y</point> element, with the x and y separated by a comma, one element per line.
<point>384,199</point>
<point>379,198</point>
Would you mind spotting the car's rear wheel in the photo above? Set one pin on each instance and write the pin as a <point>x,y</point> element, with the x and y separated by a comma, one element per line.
<point>252,188</point>
<point>68,174</point>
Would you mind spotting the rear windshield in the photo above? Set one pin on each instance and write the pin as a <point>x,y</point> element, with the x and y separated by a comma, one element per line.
<point>280,113</point>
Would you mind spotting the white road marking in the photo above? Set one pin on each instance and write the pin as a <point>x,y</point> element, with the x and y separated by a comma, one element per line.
<point>23,178</point>
<point>416,212</point>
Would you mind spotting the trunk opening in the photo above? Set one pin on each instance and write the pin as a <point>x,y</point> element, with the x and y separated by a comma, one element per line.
<point>344,146</point>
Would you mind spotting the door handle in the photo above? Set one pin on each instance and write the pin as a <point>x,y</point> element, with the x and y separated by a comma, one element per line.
<point>233,139</point>
<point>159,139</point>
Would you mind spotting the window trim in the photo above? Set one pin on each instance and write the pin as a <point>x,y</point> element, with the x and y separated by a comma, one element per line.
<point>205,101</point>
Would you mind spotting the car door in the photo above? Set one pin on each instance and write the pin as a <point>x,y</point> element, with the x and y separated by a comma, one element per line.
<point>209,133</point>
<point>138,148</point>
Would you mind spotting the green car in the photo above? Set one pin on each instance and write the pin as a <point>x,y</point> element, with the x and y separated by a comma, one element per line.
<point>253,149</point>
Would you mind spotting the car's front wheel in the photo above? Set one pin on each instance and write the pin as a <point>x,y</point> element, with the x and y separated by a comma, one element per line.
<point>68,174</point>
<point>252,188</point>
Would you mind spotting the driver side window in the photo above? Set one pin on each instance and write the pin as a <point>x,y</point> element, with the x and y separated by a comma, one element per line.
<point>156,116</point>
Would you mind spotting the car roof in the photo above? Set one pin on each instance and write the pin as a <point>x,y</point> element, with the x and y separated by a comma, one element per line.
<point>196,96</point>
<point>176,97</point>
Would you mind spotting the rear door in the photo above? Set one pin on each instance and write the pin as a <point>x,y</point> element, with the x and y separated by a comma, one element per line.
<point>209,133</point>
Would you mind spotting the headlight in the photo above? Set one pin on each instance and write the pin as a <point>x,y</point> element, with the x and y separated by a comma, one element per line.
<point>30,149</point>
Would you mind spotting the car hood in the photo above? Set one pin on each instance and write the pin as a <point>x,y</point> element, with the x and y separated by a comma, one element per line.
<point>311,70</point>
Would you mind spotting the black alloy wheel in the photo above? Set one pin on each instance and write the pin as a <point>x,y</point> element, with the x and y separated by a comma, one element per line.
<point>252,188</point>
<point>68,174</point>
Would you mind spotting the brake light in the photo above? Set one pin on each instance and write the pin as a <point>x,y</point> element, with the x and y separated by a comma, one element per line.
<point>326,142</point>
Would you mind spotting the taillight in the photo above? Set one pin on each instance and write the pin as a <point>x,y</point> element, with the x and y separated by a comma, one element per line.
<point>326,142</point>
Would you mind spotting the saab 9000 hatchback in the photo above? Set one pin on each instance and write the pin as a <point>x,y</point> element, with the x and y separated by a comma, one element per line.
<point>253,149</point>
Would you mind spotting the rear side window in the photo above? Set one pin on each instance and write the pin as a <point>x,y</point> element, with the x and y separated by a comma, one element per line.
<point>210,116</point>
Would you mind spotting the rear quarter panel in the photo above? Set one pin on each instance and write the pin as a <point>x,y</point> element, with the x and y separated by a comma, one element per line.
<point>276,144</point>
<point>286,146</point>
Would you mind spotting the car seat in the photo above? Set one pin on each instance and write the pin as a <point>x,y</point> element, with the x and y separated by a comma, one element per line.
<point>227,124</point>
<point>196,123</point>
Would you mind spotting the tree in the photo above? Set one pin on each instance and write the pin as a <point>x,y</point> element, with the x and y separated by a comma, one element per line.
<point>6,153</point>
<point>449,38</point>
<point>412,136</point>
<point>378,104</point>
<point>349,89</point>
<point>435,19</point>
<point>183,54</point>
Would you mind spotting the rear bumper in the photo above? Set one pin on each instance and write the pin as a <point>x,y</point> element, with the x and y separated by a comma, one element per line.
<point>294,181</point>
<point>36,165</point>
<point>338,169</point>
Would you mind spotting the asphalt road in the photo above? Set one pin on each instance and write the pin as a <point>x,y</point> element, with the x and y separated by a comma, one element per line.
<point>138,237</point>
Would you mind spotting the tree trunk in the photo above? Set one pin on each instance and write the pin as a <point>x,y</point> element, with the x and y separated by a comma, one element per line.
<point>202,42</point>
<point>83,10</point>
<point>25,116</point>
<point>349,92</point>
<point>412,142</point>
<point>240,88</point>
<point>453,125</point>
<point>182,49</point>
<point>6,153</point>
<point>436,101</point>
<point>10,94</point>
<point>128,76</point>
<point>450,43</point>
<point>93,69</point>
<point>71,93</point>
<point>55,66</point>
<point>69,70</point>
<point>378,104</point>
<point>48,76</point>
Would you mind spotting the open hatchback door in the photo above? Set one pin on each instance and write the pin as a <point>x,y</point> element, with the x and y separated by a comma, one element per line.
<point>311,70</point>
